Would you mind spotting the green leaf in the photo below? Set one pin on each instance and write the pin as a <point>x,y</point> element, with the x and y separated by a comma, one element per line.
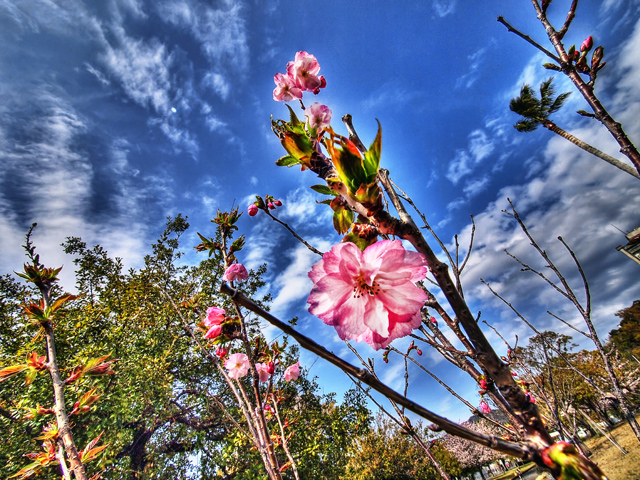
<point>324,190</point>
<point>371,162</point>
<point>288,161</point>
<point>342,219</point>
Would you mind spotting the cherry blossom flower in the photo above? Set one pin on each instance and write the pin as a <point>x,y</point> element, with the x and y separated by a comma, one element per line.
<point>286,88</point>
<point>277,203</point>
<point>235,272</point>
<point>252,210</point>
<point>271,206</point>
<point>369,295</point>
<point>319,115</point>
<point>214,331</point>
<point>305,70</point>
<point>292,372</point>
<point>215,316</point>
<point>237,364</point>
<point>484,407</point>
<point>263,371</point>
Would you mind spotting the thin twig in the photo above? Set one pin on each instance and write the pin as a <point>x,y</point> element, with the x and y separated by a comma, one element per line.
<point>302,240</point>
<point>529,39</point>
<point>568,324</point>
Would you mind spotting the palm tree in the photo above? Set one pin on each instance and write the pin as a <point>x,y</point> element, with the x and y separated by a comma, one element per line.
<point>536,112</point>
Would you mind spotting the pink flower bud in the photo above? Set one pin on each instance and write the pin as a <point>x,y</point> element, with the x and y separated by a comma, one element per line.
<point>484,407</point>
<point>213,332</point>
<point>271,368</point>
<point>271,206</point>
<point>253,210</point>
<point>277,203</point>
<point>221,352</point>
<point>587,44</point>
<point>418,351</point>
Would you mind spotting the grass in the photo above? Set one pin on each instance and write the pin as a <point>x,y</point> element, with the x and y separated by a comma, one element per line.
<point>511,474</point>
<point>612,462</point>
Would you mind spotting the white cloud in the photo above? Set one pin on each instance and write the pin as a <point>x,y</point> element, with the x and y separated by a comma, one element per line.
<point>480,147</point>
<point>97,73</point>
<point>468,79</point>
<point>293,283</point>
<point>142,68</point>
<point>571,182</point>
<point>47,167</point>
<point>214,123</point>
<point>217,83</point>
<point>69,18</point>
<point>444,7</point>
<point>220,31</point>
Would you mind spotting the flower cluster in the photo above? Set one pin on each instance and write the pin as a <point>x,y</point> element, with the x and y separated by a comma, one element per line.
<point>302,76</point>
<point>238,366</point>
<point>263,204</point>
<point>214,320</point>
<point>370,295</point>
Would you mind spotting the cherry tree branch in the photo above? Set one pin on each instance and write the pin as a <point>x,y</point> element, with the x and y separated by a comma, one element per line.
<point>496,443</point>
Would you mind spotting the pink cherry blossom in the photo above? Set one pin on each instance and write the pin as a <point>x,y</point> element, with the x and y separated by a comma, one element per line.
<point>237,364</point>
<point>215,316</point>
<point>235,273</point>
<point>214,331</point>
<point>369,295</point>
<point>305,70</point>
<point>252,210</point>
<point>271,206</point>
<point>277,203</point>
<point>484,407</point>
<point>286,88</point>
<point>319,115</point>
<point>263,371</point>
<point>292,372</point>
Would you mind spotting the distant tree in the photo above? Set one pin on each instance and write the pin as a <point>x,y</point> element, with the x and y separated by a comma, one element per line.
<point>386,452</point>
<point>536,111</point>
<point>626,337</point>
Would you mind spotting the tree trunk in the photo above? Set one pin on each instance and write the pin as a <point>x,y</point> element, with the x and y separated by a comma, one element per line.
<point>589,149</point>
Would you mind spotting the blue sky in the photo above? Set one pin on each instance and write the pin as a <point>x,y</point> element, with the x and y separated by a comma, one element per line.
<point>115,114</point>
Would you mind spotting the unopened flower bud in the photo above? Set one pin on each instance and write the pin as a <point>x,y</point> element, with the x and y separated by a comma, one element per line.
<point>277,203</point>
<point>252,210</point>
<point>587,44</point>
<point>271,206</point>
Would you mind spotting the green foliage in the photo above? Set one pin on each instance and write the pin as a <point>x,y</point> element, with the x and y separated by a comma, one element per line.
<point>388,453</point>
<point>158,412</point>
<point>626,337</point>
<point>536,111</point>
